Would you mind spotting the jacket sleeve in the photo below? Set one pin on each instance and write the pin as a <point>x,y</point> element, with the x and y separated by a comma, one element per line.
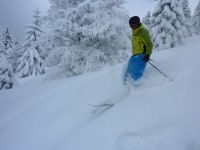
<point>147,41</point>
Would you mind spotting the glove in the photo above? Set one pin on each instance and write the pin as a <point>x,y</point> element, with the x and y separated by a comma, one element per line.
<point>145,57</point>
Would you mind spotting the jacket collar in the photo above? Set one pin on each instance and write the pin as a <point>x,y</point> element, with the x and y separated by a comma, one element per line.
<point>136,30</point>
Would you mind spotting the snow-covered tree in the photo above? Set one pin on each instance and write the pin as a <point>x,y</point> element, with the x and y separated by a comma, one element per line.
<point>6,39</point>
<point>187,14</point>
<point>16,42</point>
<point>95,27</point>
<point>6,73</point>
<point>30,64</point>
<point>168,26</point>
<point>88,22</point>
<point>33,33</point>
<point>14,55</point>
<point>196,19</point>
<point>2,49</point>
<point>186,8</point>
<point>147,20</point>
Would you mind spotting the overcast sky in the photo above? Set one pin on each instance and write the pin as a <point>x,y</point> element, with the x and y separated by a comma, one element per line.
<point>17,13</point>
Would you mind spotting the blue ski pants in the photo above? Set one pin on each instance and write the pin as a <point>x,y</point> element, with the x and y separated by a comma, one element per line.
<point>135,67</point>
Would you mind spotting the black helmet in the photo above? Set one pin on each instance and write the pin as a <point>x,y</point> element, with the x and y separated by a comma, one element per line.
<point>134,20</point>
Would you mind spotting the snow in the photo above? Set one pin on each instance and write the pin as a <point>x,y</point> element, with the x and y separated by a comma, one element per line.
<point>159,115</point>
<point>39,113</point>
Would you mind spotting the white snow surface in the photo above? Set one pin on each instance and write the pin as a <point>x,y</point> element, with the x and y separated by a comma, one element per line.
<point>40,114</point>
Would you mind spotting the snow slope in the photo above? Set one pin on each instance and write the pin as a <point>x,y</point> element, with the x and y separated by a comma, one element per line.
<point>159,115</point>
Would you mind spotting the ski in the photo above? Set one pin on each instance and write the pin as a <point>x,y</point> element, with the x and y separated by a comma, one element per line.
<point>103,105</point>
<point>99,107</point>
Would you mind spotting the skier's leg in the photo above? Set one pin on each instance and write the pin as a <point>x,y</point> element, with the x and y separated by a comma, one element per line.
<point>138,67</point>
<point>129,68</point>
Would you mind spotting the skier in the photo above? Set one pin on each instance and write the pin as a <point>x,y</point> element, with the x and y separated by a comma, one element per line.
<point>141,48</point>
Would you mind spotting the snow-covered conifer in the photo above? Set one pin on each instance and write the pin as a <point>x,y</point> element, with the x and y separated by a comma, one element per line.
<point>16,42</point>
<point>33,33</point>
<point>187,14</point>
<point>196,19</point>
<point>30,64</point>
<point>147,20</point>
<point>2,49</point>
<point>6,39</point>
<point>168,26</point>
<point>14,55</point>
<point>95,27</point>
<point>6,73</point>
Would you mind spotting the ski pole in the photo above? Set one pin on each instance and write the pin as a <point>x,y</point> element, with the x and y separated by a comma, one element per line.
<point>160,71</point>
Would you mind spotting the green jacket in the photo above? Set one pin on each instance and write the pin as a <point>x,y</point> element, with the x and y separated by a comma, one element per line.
<point>141,41</point>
